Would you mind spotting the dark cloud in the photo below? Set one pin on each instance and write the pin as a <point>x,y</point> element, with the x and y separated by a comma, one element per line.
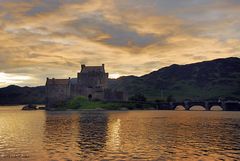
<point>115,34</point>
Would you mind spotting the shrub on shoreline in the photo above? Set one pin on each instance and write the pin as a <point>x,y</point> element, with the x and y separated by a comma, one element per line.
<point>83,103</point>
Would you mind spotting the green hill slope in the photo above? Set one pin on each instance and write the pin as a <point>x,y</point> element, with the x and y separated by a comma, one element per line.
<point>204,80</point>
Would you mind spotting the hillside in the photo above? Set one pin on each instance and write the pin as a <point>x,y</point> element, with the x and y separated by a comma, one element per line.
<point>203,80</point>
<point>12,95</point>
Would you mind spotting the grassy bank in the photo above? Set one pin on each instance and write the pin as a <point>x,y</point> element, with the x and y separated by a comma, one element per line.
<point>83,103</point>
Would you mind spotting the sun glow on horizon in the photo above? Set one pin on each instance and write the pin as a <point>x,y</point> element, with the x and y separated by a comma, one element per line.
<point>114,76</point>
<point>7,79</point>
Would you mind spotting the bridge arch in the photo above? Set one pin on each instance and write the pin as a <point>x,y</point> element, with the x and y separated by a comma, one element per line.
<point>197,108</point>
<point>179,108</point>
<point>178,105</point>
<point>216,108</point>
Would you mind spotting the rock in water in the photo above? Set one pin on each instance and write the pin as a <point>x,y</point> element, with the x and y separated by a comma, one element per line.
<point>41,108</point>
<point>29,107</point>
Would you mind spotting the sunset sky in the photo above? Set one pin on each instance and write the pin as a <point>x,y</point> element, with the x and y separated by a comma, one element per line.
<point>51,38</point>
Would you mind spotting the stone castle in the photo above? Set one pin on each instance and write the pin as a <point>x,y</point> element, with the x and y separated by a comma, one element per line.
<point>91,82</point>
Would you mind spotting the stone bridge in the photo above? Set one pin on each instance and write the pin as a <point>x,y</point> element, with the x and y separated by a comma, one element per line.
<point>225,105</point>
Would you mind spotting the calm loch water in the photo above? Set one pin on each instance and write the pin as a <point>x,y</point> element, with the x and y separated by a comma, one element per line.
<point>129,135</point>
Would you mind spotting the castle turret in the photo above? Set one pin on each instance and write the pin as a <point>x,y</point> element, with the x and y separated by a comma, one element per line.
<point>82,67</point>
<point>103,66</point>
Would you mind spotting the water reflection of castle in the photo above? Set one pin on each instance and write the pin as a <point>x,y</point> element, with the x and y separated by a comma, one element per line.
<point>92,131</point>
<point>81,133</point>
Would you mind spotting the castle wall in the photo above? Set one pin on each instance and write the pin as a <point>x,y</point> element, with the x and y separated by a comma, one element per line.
<point>74,90</point>
<point>111,95</point>
<point>86,92</point>
<point>93,80</point>
<point>56,94</point>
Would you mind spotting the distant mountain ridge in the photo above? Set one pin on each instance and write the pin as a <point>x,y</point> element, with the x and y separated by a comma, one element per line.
<point>203,80</point>
<point>13,95</point>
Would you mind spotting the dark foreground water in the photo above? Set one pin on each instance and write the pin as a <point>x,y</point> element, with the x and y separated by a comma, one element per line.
<point>130,135</point>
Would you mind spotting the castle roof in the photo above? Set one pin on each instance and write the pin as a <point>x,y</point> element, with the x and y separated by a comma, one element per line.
<point>57,81</point>
<point>86,69</point>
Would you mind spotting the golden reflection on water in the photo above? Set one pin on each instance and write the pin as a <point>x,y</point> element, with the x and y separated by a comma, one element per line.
<point>132,135</point>
<point>114,139</point>
<point>61,135</point>
<point>16,133</point>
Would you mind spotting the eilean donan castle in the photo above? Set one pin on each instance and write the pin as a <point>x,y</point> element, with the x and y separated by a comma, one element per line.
<point>91,82</point>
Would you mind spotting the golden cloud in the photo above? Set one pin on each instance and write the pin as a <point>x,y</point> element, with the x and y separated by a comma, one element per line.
<point>40,39</point>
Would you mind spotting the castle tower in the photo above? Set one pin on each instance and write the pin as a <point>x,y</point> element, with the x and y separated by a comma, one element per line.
<point>93,77</point>
<point>57,90</point>
<point>92,81</point>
